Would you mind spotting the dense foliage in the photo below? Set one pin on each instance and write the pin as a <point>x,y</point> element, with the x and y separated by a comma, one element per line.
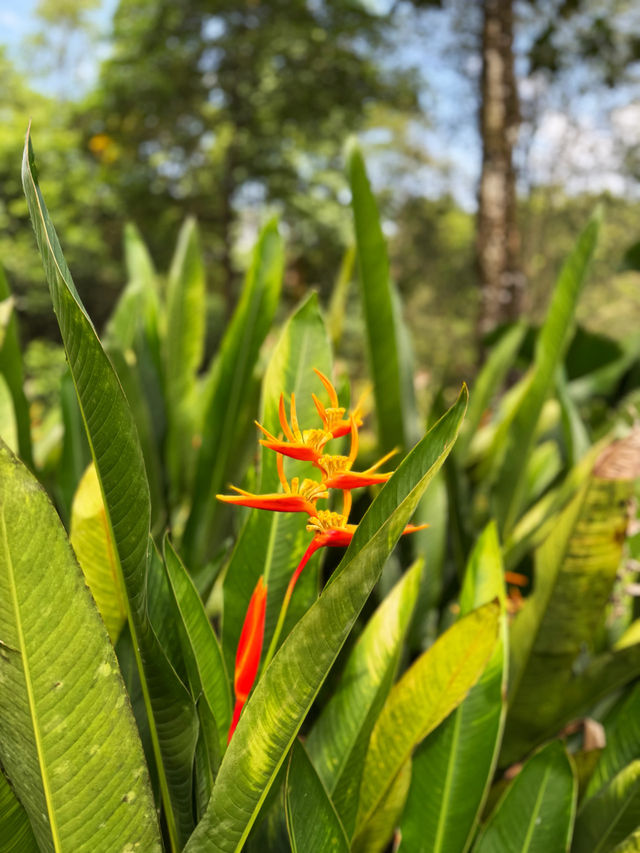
<point>473,688</point>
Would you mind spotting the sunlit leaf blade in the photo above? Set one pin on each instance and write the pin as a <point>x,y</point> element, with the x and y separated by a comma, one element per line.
<point>272,543</point>
<point>75,454</point>
<point>228,389</point>
<point>453,768</point>
<point>68,740</point>
<point>379,309</point>
<point>488,382</point>
<point>132,382</point>
<point>428,691</point>
<point>11,369</point>
<point>184,346</point>
<point>202,654</point>
<point>286,690</point>
<point>119,463</point>
<point>631,844</point>
<point>612,814</point>
<point>312,821</point>
<point>431,544</point>
<point>15,830</point>
<point>92,543</point>
<point>536,524</point>
<point>136,311</point>
<point>8,427</point>
<point>337,309</point>
<point>378,831</point>
<point>550,347</point>
<point>622,729</point>
<point>338,741</point>
<point>537,811</point>
<point>575,569</point>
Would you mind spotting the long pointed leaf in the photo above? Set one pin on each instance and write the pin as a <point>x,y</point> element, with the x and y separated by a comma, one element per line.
<point>312,821</point>
<point>15,829</point>
<point>537,811</point>
<point>202,653</point>
<point>338,741</point>
<point>120,467</point>
<point>227,391</point>
<point>68,740</point>
<point>91,540</point>
<point>550,347</point>
<point>453,768</point>
<point>285,692</point>
<point>575,570</point>
<point>428,691</point>
<point>607,818</point>
<point>184,346</point>
<point>11,369</point>
<point>390,386</point>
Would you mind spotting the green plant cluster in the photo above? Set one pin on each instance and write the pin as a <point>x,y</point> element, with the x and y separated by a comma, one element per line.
<point>489,701</point>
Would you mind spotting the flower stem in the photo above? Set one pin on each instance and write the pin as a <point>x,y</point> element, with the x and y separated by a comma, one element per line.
<point>273,645</point>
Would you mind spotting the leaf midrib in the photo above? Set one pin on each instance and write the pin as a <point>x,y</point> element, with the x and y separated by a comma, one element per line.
<point>446,792</point>
<point>536,809</point>
<point>57,844</point>
<point>423,732</point>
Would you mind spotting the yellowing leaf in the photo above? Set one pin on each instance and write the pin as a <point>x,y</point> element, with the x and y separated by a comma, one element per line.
<point>430,689</point>
<point>92,543</point>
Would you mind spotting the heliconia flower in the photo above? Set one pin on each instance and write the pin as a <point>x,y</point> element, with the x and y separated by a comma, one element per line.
<point>333,418</point>
<point>295,497</point>
<point>305,445</point>
<point>337,473</point>
<point>249,650</point>
<point>332,530</point>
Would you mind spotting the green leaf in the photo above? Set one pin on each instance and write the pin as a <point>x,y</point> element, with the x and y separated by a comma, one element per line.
<point>431,545</point>
<point>488,382</point>
<point>428,691</point>
<point>137,309</point>
<point>575,569</point>
<point>119,463</point>
<point>378,831</point>
<point>76,455</point>
<point>312,821</point>
<point>550,348</point>
<point>68,740</point>
<point>536,813</point>
<point>8,427</point>
<point>201,650</point>
<point>390,386</point>
<point>228,388</point>
<point>11,370</point>
<point>272,543</point>
<point>622,729</point>
<point>611,815</point>
<point>631,844</point>
<point>286,690</point>
<point>184,347</point>
<point>337,310</point>
<point>132,382</point>
<point>536,524</point>
<point>92,543</point>
<point>338,741</point>
<point>15,829</point>
<point>453,768</point>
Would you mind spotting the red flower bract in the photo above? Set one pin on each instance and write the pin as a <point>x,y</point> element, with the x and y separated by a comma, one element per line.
<point>249,650</point>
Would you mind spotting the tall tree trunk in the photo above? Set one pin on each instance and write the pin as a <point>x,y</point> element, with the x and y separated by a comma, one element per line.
<point>498,239</point>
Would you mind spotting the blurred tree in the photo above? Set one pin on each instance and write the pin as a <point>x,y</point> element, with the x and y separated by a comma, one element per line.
<point>86,220</point>
<point>207,106</point>
<point>498,237</point>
